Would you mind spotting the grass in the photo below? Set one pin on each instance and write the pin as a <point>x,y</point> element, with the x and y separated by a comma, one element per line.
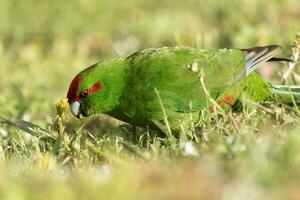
<point>45,153</point>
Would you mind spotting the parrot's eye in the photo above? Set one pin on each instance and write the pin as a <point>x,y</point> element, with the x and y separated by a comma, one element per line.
<point>91,90</point>
<point>84,93</point>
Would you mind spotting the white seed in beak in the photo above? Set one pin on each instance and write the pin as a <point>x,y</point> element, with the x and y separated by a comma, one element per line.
<point>74,107</point>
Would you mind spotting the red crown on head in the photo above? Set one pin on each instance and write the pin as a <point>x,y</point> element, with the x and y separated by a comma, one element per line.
<point>72,93</point>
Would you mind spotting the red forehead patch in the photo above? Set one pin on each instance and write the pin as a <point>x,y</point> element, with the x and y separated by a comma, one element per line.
<point>72,96</point>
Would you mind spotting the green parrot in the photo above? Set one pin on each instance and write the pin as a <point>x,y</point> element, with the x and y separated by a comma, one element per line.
<point>166,88</point>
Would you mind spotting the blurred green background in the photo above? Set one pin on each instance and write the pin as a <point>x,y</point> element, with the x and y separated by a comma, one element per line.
<point>44,43</point>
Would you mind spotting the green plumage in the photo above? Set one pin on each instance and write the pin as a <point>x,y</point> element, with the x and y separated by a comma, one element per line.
<point>153,85</point>
<point>170,72</point>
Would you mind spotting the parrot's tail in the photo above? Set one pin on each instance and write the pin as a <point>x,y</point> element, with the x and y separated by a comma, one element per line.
<point>286,93</point>
<point>255,56</point>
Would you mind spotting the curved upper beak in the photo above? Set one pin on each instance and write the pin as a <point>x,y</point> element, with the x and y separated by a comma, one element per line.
<point>75,108</point>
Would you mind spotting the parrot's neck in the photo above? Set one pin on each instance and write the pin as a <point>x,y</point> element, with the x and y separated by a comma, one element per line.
<point>114,83</point>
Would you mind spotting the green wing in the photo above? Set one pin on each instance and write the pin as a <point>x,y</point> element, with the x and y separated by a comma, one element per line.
<point>175,73</point>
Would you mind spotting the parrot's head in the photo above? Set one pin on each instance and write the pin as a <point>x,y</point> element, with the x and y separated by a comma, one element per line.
<point>95,90</point>
<point>82,92</point>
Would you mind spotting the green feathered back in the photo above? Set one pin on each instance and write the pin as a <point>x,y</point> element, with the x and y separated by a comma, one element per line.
<point>175,73</point>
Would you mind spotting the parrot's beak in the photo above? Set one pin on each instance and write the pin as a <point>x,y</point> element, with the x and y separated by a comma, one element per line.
<point>75,109</point>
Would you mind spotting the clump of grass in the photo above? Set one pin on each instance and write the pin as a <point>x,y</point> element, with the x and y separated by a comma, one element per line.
<point>295,52</point>
<point>296,48</point>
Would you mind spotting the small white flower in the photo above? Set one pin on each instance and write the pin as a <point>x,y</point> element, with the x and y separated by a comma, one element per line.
<point>103,174</point>
<point>189,149</point>
<point>3,132</point>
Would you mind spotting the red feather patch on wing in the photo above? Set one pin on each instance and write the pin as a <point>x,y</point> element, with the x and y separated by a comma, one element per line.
<point>226,100</point>
<point>72,93</point>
